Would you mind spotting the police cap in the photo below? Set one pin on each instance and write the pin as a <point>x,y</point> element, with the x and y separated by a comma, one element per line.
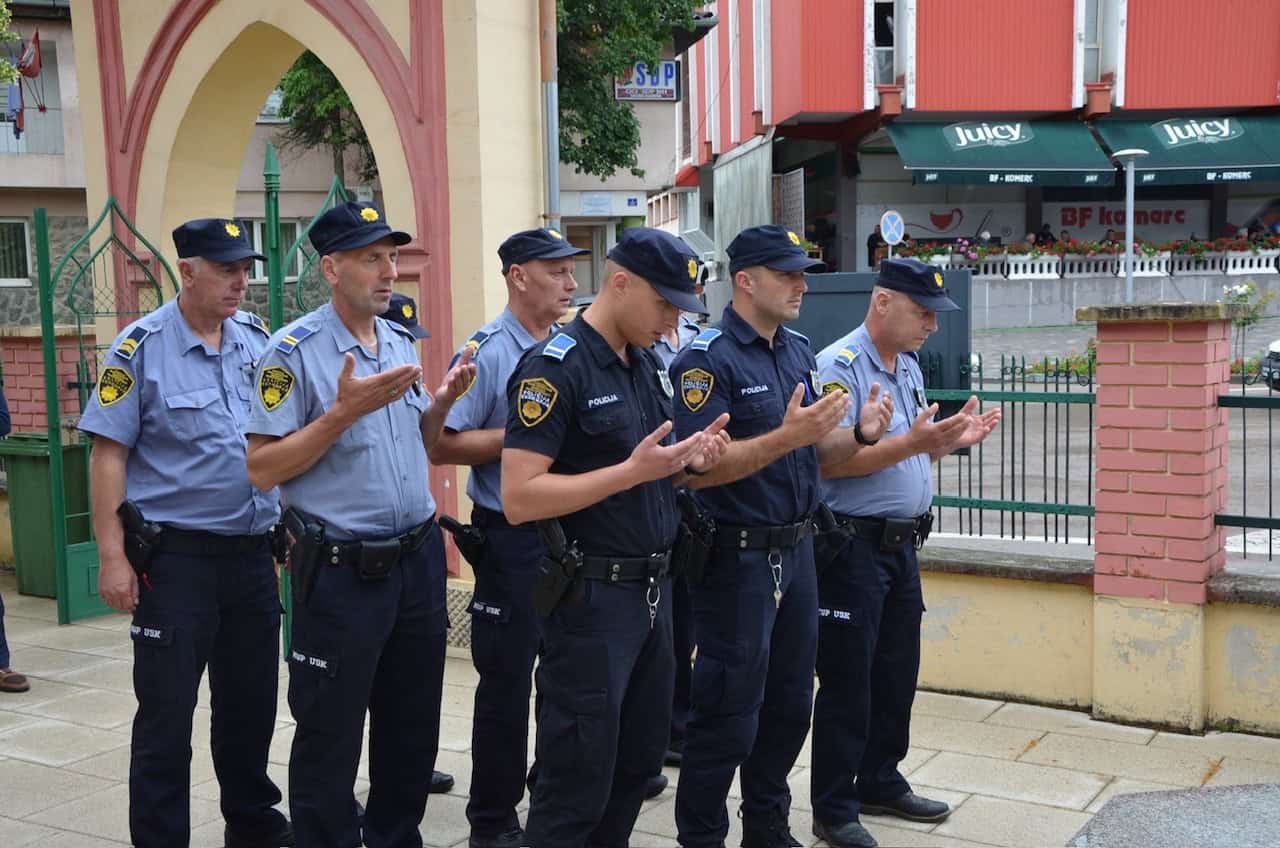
<point>352,225</point>
<point>528,245</point>
<point>215,239</point>
<point>919,281</point>
<point>665,262</point>
<point>773,247</point>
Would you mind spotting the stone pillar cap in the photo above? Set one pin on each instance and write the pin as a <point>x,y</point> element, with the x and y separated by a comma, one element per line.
<point>1131,312</point>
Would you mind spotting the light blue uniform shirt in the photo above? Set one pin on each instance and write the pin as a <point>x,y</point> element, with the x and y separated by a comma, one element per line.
<point>498,346</point>
<point>181,407</point>
<point>372,482</point>
<point>904,490</point>
<point>687,331</point>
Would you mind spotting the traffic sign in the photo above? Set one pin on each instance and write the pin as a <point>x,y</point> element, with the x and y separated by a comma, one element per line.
<point>892,227</point>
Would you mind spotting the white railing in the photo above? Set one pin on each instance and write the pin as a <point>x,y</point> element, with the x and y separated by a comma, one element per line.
<point>1240,262</point>
<point>1033,267</point>
<point>988,268</point>
<point>1146,266</point>
<point>1181,264</point>
<point>1079,265</point>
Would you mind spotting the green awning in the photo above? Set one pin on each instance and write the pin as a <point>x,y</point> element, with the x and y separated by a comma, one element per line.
<point>1197,150</point>
<point>995,152</point>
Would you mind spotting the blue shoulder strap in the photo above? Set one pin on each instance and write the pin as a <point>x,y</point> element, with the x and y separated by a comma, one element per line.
<point>705,338</point>
<point>559,346</point>
<point>293,337</point>
<point>477,340</point>
<point>797,335</point>
<point>130,344</point>
<point>846,356</point>
<point>254,320</point>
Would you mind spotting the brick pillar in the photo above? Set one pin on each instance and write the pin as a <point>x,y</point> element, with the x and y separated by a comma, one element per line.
<point>1161,478</point>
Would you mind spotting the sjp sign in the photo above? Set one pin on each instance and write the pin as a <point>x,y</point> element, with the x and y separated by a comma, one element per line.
<point>650,82</point>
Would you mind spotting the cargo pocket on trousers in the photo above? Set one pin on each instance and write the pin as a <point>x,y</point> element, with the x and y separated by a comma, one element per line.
<point>157,662</point>
<point>489,634</point>
<point>313,679</point>
<point>577,731</point>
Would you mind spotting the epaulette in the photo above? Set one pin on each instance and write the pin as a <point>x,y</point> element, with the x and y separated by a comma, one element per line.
<point>477,340</point>
<point>846,356</point>
<point>294,337</point>
<point>254,320</point>
<point>705,338</point>
<point>559,346</point>
<point>130,344</point>
<point>797,335</point>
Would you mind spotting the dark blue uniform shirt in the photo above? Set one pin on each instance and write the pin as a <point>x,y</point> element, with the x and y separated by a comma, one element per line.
<point>732,368</point>
<point>571,398</point>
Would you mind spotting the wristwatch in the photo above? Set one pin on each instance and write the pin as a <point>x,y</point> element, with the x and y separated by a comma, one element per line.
<point>861,439</point>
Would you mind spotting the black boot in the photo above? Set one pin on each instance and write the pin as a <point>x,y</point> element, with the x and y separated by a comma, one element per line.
<point>767,831</point>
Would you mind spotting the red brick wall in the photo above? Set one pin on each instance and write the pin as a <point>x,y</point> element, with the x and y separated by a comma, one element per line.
<point>22,361</point>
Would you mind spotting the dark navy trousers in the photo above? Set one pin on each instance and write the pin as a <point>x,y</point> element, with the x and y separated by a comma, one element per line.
<point>752,688</point>
<point>4,644</point>
<point>220,612</point>
<point>375,645</point>
<point>868,659</point>
<point>682,642</point>
<point>604,711</point>
<point>505,633</point>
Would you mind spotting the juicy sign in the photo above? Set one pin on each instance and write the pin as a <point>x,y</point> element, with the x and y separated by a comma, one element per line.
<point>1178,132</point>
<point>971,135</point>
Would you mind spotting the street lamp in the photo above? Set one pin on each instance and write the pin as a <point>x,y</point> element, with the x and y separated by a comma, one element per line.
<point>1128,157</point>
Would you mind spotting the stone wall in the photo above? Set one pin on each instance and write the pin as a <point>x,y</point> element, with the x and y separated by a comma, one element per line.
<point>20,306</point>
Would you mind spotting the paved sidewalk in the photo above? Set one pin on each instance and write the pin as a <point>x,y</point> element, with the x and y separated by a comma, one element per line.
<point>1016,775</point>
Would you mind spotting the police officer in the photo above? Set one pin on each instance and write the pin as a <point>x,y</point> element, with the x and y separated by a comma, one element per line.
<point>538,268</point>
<point>168,418</point>
<point>341,422</point>
<point>755,612</point>
<point>682,640</point>
<point>870,602</point>
<point>403,310</point>
<point>588,443</point>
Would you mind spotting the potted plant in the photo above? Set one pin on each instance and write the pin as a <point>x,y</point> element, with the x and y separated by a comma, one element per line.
<point>1028,261</point>
<point>1194,256</point>
<point>1242,255</point>
<point>935,253</point>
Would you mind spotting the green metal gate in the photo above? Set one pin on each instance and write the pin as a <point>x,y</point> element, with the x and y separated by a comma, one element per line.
<point>107,283</point>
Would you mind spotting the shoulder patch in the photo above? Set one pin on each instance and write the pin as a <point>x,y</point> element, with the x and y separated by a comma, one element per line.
<point>293,338</point>
<point>113,384</point>
<point>801,336</point>
<point>705,338</point>
<point>833,386</point>
<point>130,344</point>
<point>846,356</point>
<point>536,397</point>
<point>558,347</point>
<point>477,340</point>
<point>274,385</point>
<point>254,320</point>
<point>695,388</point>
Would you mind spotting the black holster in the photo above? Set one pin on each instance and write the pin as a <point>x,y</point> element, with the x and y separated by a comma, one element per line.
<point>140,537</point>
<point>695,538</point>
<point>830,538</point>
<point>304,553</point>
<point>557,570</point>
<point>468,538</point>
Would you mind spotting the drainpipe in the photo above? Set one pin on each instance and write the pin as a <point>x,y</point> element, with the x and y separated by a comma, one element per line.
<point>550,108</point>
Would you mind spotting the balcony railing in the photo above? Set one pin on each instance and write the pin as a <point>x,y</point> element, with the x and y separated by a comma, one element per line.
<point>42,133</point>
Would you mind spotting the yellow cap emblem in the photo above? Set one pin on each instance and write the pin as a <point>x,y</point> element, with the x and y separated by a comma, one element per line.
<point>795,239</point>
<point>369,214</point>
<point>693,269</point>
<point>937,278</point>
<point>406,310</point>
<point>232,229</point>
<point>554,234</point>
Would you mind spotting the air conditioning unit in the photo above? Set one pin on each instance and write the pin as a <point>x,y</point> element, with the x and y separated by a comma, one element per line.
<point>706,250</point>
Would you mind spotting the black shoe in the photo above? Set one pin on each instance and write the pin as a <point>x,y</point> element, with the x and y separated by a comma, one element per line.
<point>672,757</point>
<point>282,838</point>
<point>767,832</point>
<point>513,838</point>
<point>909,806</point>
<point>655,786</point>
<point>440,783</point>
<point>848,835</point>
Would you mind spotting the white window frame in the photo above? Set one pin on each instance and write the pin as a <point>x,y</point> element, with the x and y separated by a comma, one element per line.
<point>691,104</point>
<point>19,282</point>
<point>258,226</point>
<point>712,54</point>
<point>735,74</point>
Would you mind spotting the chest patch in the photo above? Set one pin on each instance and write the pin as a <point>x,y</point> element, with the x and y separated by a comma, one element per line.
<point>274,385</point>
<point>113,385</point>
<point>695,388</point>
<point>603,400</point>
<point>535,398</point>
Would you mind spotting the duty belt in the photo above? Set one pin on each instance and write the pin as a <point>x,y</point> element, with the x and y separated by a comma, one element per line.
<point>352,553</point>
<point>625,569</point>
<point>175,540</point>
<point>763,538</point>
<point>482,517</point>
<point>889,531</point>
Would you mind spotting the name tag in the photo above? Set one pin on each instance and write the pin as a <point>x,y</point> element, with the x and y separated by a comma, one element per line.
<point>323,664</point>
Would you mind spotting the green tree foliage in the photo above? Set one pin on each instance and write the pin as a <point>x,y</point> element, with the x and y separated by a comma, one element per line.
<point>599,40</point>
<point>8,73</point>
<point>321,115</point>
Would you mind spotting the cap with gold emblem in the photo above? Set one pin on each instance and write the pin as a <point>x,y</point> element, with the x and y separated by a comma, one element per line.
<point>665,262</point>
<point>541,243</point>
<point>773,247</point>
<point>215,239</point>
<point>404,312</point>
<point>919,281</point>
<point>352,225</point>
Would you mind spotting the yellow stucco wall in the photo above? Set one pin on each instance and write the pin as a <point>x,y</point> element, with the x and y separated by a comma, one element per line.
<point>1007,638</point>
<point>1242,662</point>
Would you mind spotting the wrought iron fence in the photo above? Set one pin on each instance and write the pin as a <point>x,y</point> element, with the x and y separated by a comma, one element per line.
<point>1033,477</point>
<point>1251,516</point>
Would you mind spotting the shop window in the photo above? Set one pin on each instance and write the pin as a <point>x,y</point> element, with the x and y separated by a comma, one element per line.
<point>884,42</point>
<point>15,253</point>
<point>253,229</point>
